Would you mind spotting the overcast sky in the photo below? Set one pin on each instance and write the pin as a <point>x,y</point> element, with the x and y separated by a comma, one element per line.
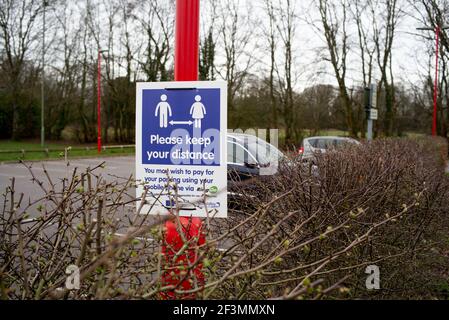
<point>411,53</point>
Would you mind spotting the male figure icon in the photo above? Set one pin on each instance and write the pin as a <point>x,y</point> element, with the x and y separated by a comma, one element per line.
<point>163,109</point>
<point>197,111</point>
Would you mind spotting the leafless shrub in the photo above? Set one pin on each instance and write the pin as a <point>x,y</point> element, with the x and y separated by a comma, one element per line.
<point>381,203</point>
<point>302,233</point>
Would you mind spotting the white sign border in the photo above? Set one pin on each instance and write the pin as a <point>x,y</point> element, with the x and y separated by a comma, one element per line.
<point>218,84</point>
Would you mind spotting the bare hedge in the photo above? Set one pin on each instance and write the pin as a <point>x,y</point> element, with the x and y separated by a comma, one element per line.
<point>306,233</point>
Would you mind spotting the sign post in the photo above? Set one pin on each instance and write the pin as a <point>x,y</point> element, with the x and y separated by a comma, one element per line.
<point>99,102</point>
<point>371,111</point>
<point>187,40</point>
<point>181,164</point>
<point>181,153</point>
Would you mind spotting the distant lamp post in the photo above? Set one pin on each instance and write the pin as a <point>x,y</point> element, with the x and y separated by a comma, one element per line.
<point>99,100</point>
<point>43,77</point>
<point>437,30</point>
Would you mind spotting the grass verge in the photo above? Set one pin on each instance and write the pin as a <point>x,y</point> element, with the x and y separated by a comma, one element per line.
<point>30,150</point>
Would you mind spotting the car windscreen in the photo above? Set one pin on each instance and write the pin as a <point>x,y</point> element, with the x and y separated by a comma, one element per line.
<point>328,143</point>
<point>237,154</point>
<point>312,142</point>
<point>264,152</point>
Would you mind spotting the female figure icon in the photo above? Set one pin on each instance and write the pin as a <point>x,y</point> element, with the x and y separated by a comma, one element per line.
<point>197,111</point>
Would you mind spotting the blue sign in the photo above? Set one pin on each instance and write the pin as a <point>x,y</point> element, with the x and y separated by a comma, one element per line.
<point>181,145</point>
<point>181,126</point>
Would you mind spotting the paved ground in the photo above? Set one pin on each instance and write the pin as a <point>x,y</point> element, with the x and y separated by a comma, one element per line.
<point>121,166</point>
<point>58,169</point>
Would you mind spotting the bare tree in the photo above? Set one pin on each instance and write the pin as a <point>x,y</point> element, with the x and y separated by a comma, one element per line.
<point>124,97</point>
<point>270,34</point>
<point>334,22</point>
<point>19,35</point>
<point>286,26</point>
<point>433,14</point>
<point>207,45</point>
<point>235,33</point>
<point>384,32</point>
<point>207,57</point>
<point>366,47</point>
<point>318,102</point>
<point>359,10</point>
<point>157,23</point>
<point>63,90</point>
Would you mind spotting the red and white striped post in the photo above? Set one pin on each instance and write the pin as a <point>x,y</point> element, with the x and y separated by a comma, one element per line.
<point>186,69</point>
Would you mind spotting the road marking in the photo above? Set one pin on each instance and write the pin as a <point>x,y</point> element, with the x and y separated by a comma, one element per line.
<point>39,167</point>
<point>59,163</point>
<point>49,169</point>
<point>124,162</point>
<point>10,175</point>
<point>88,164</point>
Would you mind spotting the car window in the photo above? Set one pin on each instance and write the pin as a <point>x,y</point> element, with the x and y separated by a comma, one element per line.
<point>313,142</point>
<point>330,143</point>
<point>325,143</point>
<point>237,154</point>
<point>265,153</point>
<point>339,143</point>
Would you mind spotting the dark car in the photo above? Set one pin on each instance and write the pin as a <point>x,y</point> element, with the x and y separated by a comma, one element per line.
<point>250,156</point>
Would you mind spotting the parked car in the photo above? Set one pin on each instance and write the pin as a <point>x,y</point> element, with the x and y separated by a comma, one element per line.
<point>248,155</point>
<point>313,145</point>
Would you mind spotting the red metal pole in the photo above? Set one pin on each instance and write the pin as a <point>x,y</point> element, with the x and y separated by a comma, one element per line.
<point>186,69</point>
<point>187,40</point>
<point>99,102</point>
<point>435,91</point>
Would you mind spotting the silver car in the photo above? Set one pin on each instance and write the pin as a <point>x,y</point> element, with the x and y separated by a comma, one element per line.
<point>321,144</point>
